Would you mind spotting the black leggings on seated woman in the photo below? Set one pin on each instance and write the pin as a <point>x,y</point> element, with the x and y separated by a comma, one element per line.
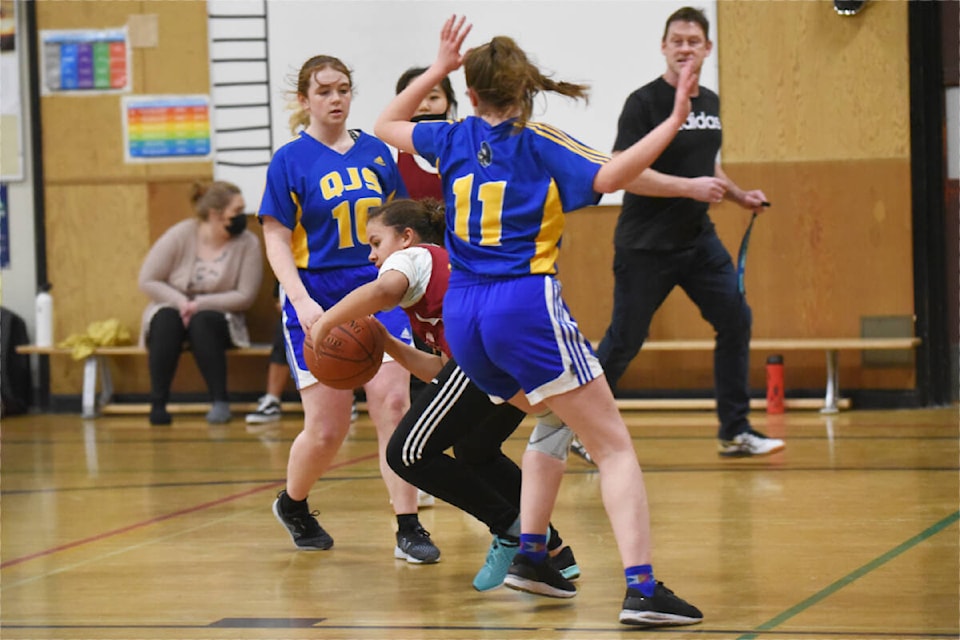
<point>209,339</point>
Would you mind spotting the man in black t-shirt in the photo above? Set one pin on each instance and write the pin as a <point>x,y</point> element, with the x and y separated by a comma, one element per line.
<point>665,238</point>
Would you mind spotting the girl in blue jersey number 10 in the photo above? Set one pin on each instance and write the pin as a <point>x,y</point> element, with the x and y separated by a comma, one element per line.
<point>507,183</point>
<point>314,211</point>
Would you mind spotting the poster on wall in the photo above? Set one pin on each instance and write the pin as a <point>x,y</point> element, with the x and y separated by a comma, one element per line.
<point>173,128</point>
<point>84,62</point>
<point>11,120</point>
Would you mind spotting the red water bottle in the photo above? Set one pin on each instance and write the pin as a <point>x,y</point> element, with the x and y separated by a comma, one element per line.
<point>775,384</point>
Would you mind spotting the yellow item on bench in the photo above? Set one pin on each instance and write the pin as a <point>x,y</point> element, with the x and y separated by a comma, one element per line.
<point>103,333</point>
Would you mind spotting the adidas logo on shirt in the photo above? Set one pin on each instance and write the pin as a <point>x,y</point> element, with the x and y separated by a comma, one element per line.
<point>701,121</point>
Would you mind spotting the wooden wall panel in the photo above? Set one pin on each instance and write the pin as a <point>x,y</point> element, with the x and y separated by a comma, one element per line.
<point>179,64</point>
<point>815,112</point>
<point>96,239</point>
<point>83,141</point>
<point>836,246</point>
<point>798,82</point>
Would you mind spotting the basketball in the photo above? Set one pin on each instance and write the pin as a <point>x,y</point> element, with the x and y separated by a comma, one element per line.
<point>349,356</point>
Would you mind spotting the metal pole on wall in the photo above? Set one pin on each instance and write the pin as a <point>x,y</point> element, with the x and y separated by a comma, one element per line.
<point>37,179</point>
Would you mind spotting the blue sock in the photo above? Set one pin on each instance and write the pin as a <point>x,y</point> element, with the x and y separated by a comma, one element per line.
<point>534,546</point>
<point>640,577</point>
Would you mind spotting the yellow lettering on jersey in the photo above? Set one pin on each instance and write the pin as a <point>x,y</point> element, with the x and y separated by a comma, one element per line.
<point>370,179</point>
<point>490,195</point>
<point>353,218</point>
<point>331,185</point>
<point>462,190</point>
<point>361,208</point>
<point>491,212</point>
<point>341,215</point>
<point>354,175</point>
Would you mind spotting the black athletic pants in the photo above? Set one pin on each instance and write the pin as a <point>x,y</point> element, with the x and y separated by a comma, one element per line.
<point>209,339</point>
<point>480,479</point>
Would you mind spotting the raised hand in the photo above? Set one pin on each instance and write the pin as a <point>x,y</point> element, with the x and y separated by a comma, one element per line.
<point>686,86</point>
<point>454,32</point>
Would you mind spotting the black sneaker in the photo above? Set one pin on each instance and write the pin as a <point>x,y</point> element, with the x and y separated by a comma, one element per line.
<point>268,411</point>
<point>543,579</point>
<point>565,563</point>
<point>416,547</point>
<point>303,526</point>
<point>663,609</point>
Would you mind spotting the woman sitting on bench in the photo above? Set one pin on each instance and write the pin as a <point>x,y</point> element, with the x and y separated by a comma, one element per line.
<point>201,276</point>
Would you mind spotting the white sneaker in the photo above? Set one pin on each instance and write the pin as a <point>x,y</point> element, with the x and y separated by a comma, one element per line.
<point>750,443</point>
<point>424,499</point>
<point>267,411</point>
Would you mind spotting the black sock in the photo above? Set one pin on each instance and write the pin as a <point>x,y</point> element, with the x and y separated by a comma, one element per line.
<point>287,503</point>
<point>408,522</point>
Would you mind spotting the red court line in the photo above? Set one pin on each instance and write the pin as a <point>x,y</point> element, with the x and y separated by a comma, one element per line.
<point>175,514</point>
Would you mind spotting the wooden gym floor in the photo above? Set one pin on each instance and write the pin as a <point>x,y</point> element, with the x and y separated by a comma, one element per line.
<point>113,529</point>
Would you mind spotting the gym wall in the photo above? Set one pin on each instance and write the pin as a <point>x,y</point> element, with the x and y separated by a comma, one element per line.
<point>815,110</point>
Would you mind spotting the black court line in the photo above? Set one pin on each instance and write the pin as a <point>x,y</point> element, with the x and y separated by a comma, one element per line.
<point>15,440</point>
<point>309,623</point>
<point>647,469</point>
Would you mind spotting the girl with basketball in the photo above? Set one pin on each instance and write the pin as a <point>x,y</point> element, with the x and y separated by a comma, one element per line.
<point>319,188</point>
<point>451,411</point>
<point>507,184</point>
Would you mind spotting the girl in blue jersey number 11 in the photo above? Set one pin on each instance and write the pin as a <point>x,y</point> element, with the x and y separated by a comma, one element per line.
<point>507,183</point>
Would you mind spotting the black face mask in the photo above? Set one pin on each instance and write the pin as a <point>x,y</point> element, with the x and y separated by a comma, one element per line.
<point>428,116</point>
<point>237,225</point>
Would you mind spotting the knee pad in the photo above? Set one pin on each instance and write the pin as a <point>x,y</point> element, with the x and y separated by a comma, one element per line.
<point>553,441</point>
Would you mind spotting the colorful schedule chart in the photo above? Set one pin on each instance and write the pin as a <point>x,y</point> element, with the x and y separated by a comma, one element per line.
<point>86,61</point>
<point>167,127</point>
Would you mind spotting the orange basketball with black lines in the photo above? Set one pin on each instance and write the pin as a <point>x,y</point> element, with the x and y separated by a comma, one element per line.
<point>349,356</point>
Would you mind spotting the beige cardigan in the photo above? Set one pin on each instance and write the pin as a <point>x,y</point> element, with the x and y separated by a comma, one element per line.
<point>168,267</point>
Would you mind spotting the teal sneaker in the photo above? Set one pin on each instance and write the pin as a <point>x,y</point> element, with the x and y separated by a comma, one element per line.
<point>494,570</point>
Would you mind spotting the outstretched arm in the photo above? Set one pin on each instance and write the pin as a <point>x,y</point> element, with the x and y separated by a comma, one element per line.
<point>662,185</point>
<point>627,165</point>
<point>394,126</point>
<point>385,292</point>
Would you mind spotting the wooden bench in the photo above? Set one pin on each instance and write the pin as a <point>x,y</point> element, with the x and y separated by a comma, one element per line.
<point>832,402</point>
<point>96,365</point>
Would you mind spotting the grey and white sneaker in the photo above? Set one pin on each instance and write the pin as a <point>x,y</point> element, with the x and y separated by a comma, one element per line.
<point>268,410</point>
<point>749,443</point>
<point>416,547</point>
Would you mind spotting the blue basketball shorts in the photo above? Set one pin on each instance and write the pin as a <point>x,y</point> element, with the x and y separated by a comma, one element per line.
<point>516,334</point>
<point>328,287</point>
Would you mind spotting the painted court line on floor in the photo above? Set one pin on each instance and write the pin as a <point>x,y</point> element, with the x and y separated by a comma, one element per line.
<point>853,576</point>
<point>175,514</point>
